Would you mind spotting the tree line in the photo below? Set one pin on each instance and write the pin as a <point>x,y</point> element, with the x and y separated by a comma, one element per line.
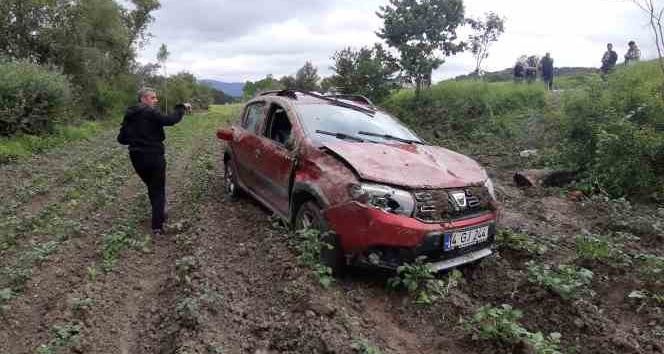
<point>421,32</point>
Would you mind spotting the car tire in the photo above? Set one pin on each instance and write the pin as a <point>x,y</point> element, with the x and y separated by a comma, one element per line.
<point>231,188</point>
<point>309,215</point>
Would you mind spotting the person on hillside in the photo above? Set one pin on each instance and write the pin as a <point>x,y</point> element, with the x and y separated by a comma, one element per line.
<point>546,65</point>
<point>633,54</point>
<point>519,71</point>
<point>531,68</point>
<point>143,127</point>
<point>609,59</point>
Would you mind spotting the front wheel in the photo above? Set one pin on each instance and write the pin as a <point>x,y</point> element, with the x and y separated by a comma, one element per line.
<point>309,216</point>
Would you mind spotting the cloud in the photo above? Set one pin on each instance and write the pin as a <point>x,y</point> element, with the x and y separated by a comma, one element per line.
<point>238,41</point>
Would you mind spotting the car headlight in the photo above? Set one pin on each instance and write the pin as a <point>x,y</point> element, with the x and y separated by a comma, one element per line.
<point>489,186</point>
<point>389,199</point>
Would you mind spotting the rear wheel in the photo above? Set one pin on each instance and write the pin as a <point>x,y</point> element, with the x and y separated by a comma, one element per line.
<point>231,188</point>
<point>309,216</point>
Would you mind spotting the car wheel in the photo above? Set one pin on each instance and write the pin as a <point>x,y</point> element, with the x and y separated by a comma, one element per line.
<point>309,216</point>
<point>231,188</point>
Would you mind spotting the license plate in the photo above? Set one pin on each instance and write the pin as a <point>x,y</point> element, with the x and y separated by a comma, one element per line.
<point>466,238</point>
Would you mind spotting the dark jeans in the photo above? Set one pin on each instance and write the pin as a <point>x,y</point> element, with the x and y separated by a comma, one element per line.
<point>548,83</point>
<point>151,167</point>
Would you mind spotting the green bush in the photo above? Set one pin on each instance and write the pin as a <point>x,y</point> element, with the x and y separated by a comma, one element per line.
<point>613,132</point>
<point>467,110</point>
<point>32,98</point>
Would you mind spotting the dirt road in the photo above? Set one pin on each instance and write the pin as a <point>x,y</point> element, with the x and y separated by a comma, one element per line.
<point>78,273</point>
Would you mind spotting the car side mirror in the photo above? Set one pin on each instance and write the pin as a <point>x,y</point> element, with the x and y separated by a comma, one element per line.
<point>225,134</point>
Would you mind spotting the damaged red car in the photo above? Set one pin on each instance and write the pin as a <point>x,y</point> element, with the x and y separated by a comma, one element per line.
<point>380,195</point>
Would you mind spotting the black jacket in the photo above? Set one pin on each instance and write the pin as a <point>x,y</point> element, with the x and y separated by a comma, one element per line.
<point>145,127</point>
<point>547,67</point>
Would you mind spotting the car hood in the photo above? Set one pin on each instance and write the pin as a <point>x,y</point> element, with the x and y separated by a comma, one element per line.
<point>409,165</point>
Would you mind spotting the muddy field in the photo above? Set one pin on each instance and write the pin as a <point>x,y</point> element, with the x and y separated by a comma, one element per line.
<point>78,273</point>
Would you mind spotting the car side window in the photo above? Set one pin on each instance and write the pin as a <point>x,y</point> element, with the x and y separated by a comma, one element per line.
<point>279,127</point>
<point>253,117</point>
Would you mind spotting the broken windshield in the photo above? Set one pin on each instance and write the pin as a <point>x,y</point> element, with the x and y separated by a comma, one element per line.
<point>350,122</point>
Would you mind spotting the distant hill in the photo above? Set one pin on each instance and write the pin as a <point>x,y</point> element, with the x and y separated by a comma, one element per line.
<point>506,74</point>
<point>233,89</point>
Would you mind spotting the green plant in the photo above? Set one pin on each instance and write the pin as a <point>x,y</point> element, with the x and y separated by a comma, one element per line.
<point>183,268</point>
<point>650,267</point>
<point>5,295</point>
<point>564,280</point>
<point>501,323</point>
<point>81,304</point>
<point>188,312</point>
<point>593,247</point>
<point>362,346</point>
<point>92,273</point>
<point>520,242</point>
<point>308,244</point>
<point>420,279</point>
<point>67,335</point>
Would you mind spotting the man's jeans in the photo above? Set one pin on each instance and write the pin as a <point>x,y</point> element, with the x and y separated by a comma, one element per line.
<point>151,167</point>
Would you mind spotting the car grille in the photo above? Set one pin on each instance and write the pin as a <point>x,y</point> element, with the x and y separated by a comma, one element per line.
<point>443,205</point>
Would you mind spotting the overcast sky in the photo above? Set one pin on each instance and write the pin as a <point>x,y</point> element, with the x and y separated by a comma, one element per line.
<point>235,41</point>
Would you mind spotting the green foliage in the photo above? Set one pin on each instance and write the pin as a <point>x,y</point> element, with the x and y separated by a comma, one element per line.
<point>650,267</point>
<point>188,312</point>
<point>419,30</point>
<point>612,132</point>
<point>564,280</point>
<point>367,71</point>
<point>268,83</point>
<point>81,304</point>
<point>33,99</point>
<point>307,78</point>
<point>5,295</point>
<point>420,280</point>
<point>484,33</point>
<point>593,247</point>
<point>501,323</point>
<point>65,336</point>
<point>363,347</point>
<point>520,242</point>
<point>122,237</point>
<point>309,244</point>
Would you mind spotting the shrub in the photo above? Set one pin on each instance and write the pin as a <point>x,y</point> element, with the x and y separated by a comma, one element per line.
<point>32,98</point>
<point>613,132</point>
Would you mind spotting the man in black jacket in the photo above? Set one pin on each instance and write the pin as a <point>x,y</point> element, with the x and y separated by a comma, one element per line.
<point>547,71</point>
<point>143,129</point>
<point>609,59</point>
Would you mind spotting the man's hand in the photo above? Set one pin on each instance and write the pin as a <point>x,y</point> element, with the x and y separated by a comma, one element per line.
<point>180,106</point>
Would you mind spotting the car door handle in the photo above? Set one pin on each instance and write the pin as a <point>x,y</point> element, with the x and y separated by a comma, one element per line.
<point>258,153</point>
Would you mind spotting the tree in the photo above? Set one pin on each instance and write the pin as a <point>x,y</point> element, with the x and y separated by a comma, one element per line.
<point>420,30</point>
<point>484,33</point>
<point>655,17</point>
<point>162,56</point>
<point>268,83</point>
<point>288,82</point>
<point>307,78</point>
<point>367,71</point>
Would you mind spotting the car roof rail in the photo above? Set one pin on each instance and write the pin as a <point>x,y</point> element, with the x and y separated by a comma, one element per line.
<point>352,97</point>
<point>291,93</point>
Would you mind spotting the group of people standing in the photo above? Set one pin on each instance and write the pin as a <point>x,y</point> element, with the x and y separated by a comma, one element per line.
<point>526,68</point>
<point>610,57</point>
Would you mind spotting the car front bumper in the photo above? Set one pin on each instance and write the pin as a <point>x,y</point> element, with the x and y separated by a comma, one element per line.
<point>388,240</point>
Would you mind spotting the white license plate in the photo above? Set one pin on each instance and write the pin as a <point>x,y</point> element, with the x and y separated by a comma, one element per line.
<point>466,238</point>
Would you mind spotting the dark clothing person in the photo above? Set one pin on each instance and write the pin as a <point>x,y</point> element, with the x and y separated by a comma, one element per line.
<point>519,72</point>
<point>547,71</point>
<point>144,130</point>
<point>608,61</point>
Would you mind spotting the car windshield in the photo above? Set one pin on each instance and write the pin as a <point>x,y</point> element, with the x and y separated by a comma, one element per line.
<point>335,119</point>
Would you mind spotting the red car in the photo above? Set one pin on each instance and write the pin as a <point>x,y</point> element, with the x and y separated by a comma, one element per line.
<point>381,195</point>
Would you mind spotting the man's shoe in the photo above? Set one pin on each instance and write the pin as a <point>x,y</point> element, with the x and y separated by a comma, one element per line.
<point>158,232</point>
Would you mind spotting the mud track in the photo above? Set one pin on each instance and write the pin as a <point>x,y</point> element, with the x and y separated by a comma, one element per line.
<point>224,279</point>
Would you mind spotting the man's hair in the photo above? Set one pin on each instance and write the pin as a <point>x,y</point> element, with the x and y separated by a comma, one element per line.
<point>631,42</point>
<point>144,92</point>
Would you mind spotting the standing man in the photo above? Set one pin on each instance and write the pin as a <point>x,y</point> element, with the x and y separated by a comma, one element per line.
<point>547,71</point>
<point>609,59</point>
<point>633,54</point>
<point>143,129</point>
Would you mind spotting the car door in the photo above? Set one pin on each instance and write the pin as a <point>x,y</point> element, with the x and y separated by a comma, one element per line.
<point>276,159</point>
<point>247,144</point>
